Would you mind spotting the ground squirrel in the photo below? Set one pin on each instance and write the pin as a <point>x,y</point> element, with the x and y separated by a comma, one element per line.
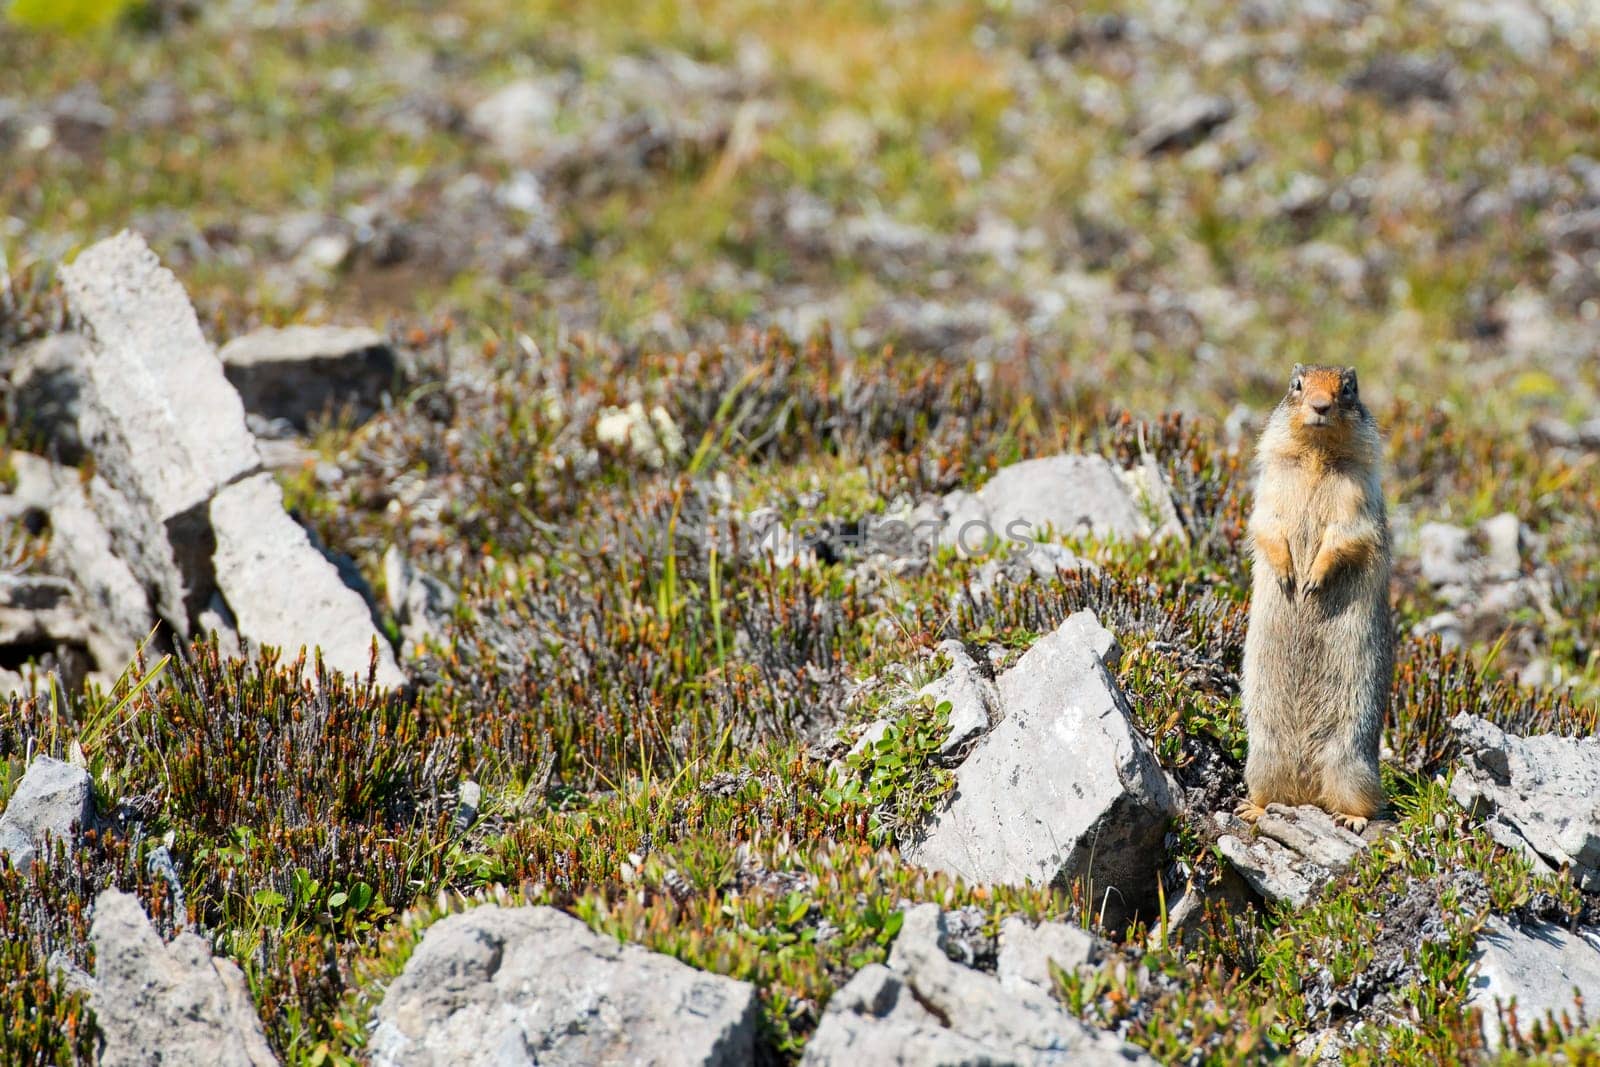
<point>1319,653</point>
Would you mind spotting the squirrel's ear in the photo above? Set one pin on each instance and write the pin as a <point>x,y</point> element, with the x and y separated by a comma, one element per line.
<point>1299,369</point>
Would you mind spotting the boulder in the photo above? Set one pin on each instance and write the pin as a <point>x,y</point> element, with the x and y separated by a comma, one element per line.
<point>299,372</point>
<point>1062,788</point>
<point>1537,968</point>
<point>1293,852</point>
<point>1539,795</point>
<point>926,1009</point>
<point>166,429</point>
<point>1066,494</point>
<point>283,592</point>
<point>162,1004</point>
<point>496,985</point>
<point>53,798</point>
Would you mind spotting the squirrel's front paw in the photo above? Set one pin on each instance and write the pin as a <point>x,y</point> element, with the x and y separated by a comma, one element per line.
<point>1312,585</point>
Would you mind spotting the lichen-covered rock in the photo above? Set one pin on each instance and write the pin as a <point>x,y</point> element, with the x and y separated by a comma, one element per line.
<point>158,1004</point>
<point>53,798</point>
<point>1539,795</point>
<point>1062,788</point>
<point>285,593</point>
<point>496,985</point>
<point>1537,968</point>
<point>924,1008</point>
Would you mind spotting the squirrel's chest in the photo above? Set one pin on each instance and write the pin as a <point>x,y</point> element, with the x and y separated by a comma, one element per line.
<point>1309,503</point>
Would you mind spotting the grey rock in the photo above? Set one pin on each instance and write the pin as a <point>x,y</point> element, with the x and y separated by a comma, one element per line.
<point>300,372</point>
<point>924,1008</point>
<point>1445,625</point>
<point>496,985</point>
<point>1537,967</point>
<point>46,392</point>
<point>53,798</point>
<point>1028,950</point>
<point>167,1003</point>
<point>974,700</point>
<point>1291,855</point>
<point>166,428</point>
<point>1502,538</point>
<point>13,684</point>
<point>38,609</point>
<point>114,604</point>
<point>1063,788</point>
<point>420,603</point>
<point>1084,627</point>
<point>285,593</point>
<point>216,621</point>
<point>1445,553</point>
<point>519,118</point>
<point>1539,795</point>
<point>1589,433</point>
<point>1066,494</point>
<point>1178,125</point>
<point>1521,24</point>
<point>1035,560</point>
<point>1400,79</point>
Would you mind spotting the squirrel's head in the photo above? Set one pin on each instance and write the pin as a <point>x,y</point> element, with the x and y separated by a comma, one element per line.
<point>1324,400</point>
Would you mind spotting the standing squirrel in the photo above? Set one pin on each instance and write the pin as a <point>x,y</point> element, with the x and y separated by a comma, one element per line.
<point>1319,653</point>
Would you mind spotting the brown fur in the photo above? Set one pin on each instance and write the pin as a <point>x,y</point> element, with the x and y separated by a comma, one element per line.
<point>1319,653</point>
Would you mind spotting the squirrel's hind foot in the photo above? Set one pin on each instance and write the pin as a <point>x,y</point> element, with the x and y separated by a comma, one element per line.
<point>1353,823</point>
<point>1249,811</point>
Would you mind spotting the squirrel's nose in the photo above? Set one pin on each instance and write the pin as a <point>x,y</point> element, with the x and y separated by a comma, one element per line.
<point>1321,404</point>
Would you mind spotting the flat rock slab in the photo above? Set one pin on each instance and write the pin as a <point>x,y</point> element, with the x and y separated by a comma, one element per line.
<point>1063,788</point>
<point>160,1004</point>
<point>924,1008</point>
<point>494,985</point>
<point>53,798</point>
<point>285,593</point>
<point>1539,795</point>
<point>1293,852</point>
<point>1070,494</point>
<point>1539,967</point>
<point>300,372</point>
